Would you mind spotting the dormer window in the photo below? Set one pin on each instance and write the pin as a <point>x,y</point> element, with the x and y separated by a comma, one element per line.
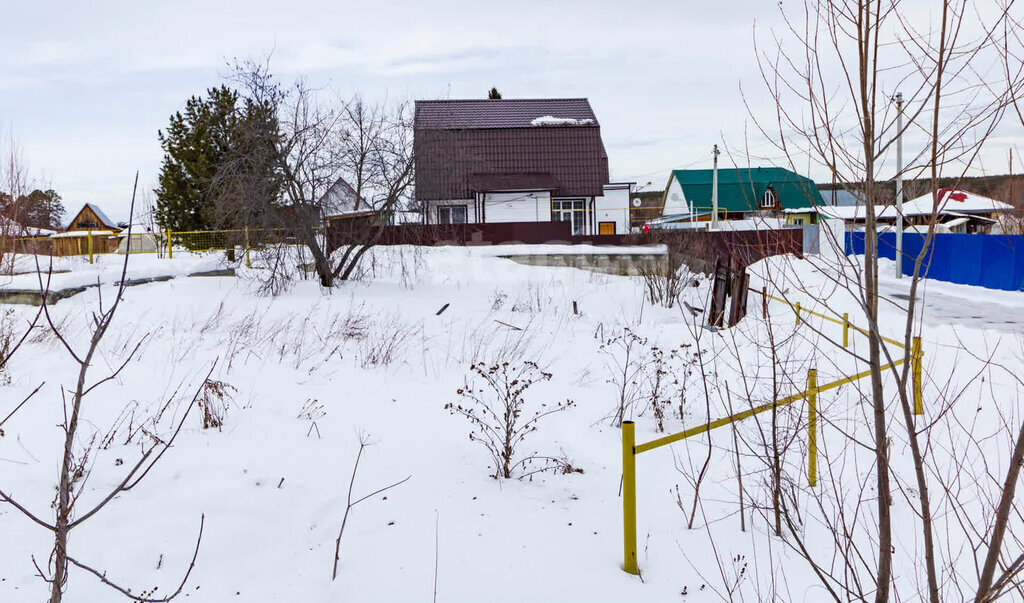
<point>770,200</point>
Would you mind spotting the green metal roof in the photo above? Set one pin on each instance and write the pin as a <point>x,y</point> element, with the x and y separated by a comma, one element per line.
<point>741,189</point>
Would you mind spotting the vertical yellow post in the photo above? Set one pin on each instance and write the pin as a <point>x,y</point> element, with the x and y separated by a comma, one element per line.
<point>170,253</point>
<point>846,329</point>
<point>247,264</point>
<point>798,313</point>
<point>90,245</point>
<point>629,497</point>
<point>812,428</point>
<point>915,364</point>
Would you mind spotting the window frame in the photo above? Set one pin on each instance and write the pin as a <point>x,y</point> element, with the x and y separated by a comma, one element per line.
<point>451,210</point>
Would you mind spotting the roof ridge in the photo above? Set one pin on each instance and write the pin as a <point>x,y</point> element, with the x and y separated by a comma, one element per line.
<point>492,100</point>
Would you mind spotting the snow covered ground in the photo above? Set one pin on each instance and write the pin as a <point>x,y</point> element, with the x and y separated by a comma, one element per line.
<point>310,373</point>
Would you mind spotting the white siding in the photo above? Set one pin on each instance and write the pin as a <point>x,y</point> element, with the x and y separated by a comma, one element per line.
<point>675,200</point>
<point>517,207</point>
<point>613,206</point>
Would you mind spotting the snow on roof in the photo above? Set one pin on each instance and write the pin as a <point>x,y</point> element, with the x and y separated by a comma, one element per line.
<point>551,120</point>
<point>949,200</point>
<point>102,216</point>
<point>82,233</point>
<point>952,202</point>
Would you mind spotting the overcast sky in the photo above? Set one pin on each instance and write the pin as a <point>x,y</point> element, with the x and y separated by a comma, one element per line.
<point>84,86</point>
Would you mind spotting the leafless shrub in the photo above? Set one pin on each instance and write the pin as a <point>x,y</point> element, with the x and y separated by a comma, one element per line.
<point>625,355</point>
<point>497,410</point>
<point>385,342</point>
<point>7,342</point>
<point>275,272</point>
<point>664,282</point>
<point>125,419</point>
<point>666,377</point>
<point>498,300</point>
<point>534,299</point>
<point>213,402</point>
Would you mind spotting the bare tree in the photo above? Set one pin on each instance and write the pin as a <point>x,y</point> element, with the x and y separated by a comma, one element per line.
<point>315,147</point>
<point>73,474</point>
<point>831,77</point>
<point>364,125</point>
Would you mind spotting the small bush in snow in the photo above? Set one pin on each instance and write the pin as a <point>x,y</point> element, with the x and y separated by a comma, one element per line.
<point>533,299</point>
<point>625,358</point>
<point>497,410</point>
<point>385,342</point>
<point>6,344</point>
<point>664,282</point>
<point>498,300</point>
<point>213,401</point>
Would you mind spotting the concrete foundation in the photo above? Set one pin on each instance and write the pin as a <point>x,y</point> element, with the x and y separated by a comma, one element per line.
<point>619,264</point>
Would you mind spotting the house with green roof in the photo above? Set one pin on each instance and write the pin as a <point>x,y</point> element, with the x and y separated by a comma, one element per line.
<point>742,192</point>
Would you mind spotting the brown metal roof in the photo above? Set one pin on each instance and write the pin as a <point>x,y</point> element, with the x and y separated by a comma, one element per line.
<point>513,181</point>
<point>500,113</point>
<point>457,142</point>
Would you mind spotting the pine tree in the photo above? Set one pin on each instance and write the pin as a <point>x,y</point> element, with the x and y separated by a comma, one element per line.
<point>219,166</point>
<point>494,94</point>
<point>194,145</point>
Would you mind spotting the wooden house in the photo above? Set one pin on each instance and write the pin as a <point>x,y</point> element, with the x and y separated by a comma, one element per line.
<point>90,231</point>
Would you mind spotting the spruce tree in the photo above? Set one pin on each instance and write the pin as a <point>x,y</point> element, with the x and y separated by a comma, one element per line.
<point>493,94</point>
<point>195,144</point>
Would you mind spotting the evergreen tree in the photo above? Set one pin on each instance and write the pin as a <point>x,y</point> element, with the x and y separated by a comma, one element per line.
<point>494,94</point>
<point>218,152</point>
<point>42,209</point>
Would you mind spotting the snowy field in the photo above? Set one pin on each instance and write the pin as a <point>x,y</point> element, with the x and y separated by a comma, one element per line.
<point>308,374</point>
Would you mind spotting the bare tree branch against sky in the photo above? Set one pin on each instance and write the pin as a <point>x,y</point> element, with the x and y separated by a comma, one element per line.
<point>85,87</point>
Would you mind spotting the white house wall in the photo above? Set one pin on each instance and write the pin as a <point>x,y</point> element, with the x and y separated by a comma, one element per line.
<point>675,199</point>
<point>517,207</point>
<point>613,206</point>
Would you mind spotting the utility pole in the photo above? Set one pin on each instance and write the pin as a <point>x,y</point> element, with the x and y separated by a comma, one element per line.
<point>899,184</point>
<point>714,191</point>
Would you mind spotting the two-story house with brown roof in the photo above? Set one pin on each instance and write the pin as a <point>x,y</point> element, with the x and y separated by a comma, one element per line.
<point>516,160</point>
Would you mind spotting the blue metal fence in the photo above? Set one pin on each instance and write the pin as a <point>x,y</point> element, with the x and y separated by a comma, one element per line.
<point>992,261</point>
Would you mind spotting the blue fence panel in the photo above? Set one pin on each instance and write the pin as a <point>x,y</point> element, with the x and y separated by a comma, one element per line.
<point>997,267</point>
<point>992,261</point>
<point>965,268</point>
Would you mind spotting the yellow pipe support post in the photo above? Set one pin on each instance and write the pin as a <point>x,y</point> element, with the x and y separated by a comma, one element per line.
<point>798,314</point>
<point>812,428</point>
<point>629,497</point>
<point>915,365</point>
<point>247,264</point>
<point>90,246</point>
<point>170,253</point>
<point>846,329</point>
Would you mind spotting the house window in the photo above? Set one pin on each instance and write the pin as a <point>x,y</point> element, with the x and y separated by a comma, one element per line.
<point>451,214</point>
<point>87,224</point>
<point>573,212</point>
<point>770,199</point>
<point>798,221</point>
